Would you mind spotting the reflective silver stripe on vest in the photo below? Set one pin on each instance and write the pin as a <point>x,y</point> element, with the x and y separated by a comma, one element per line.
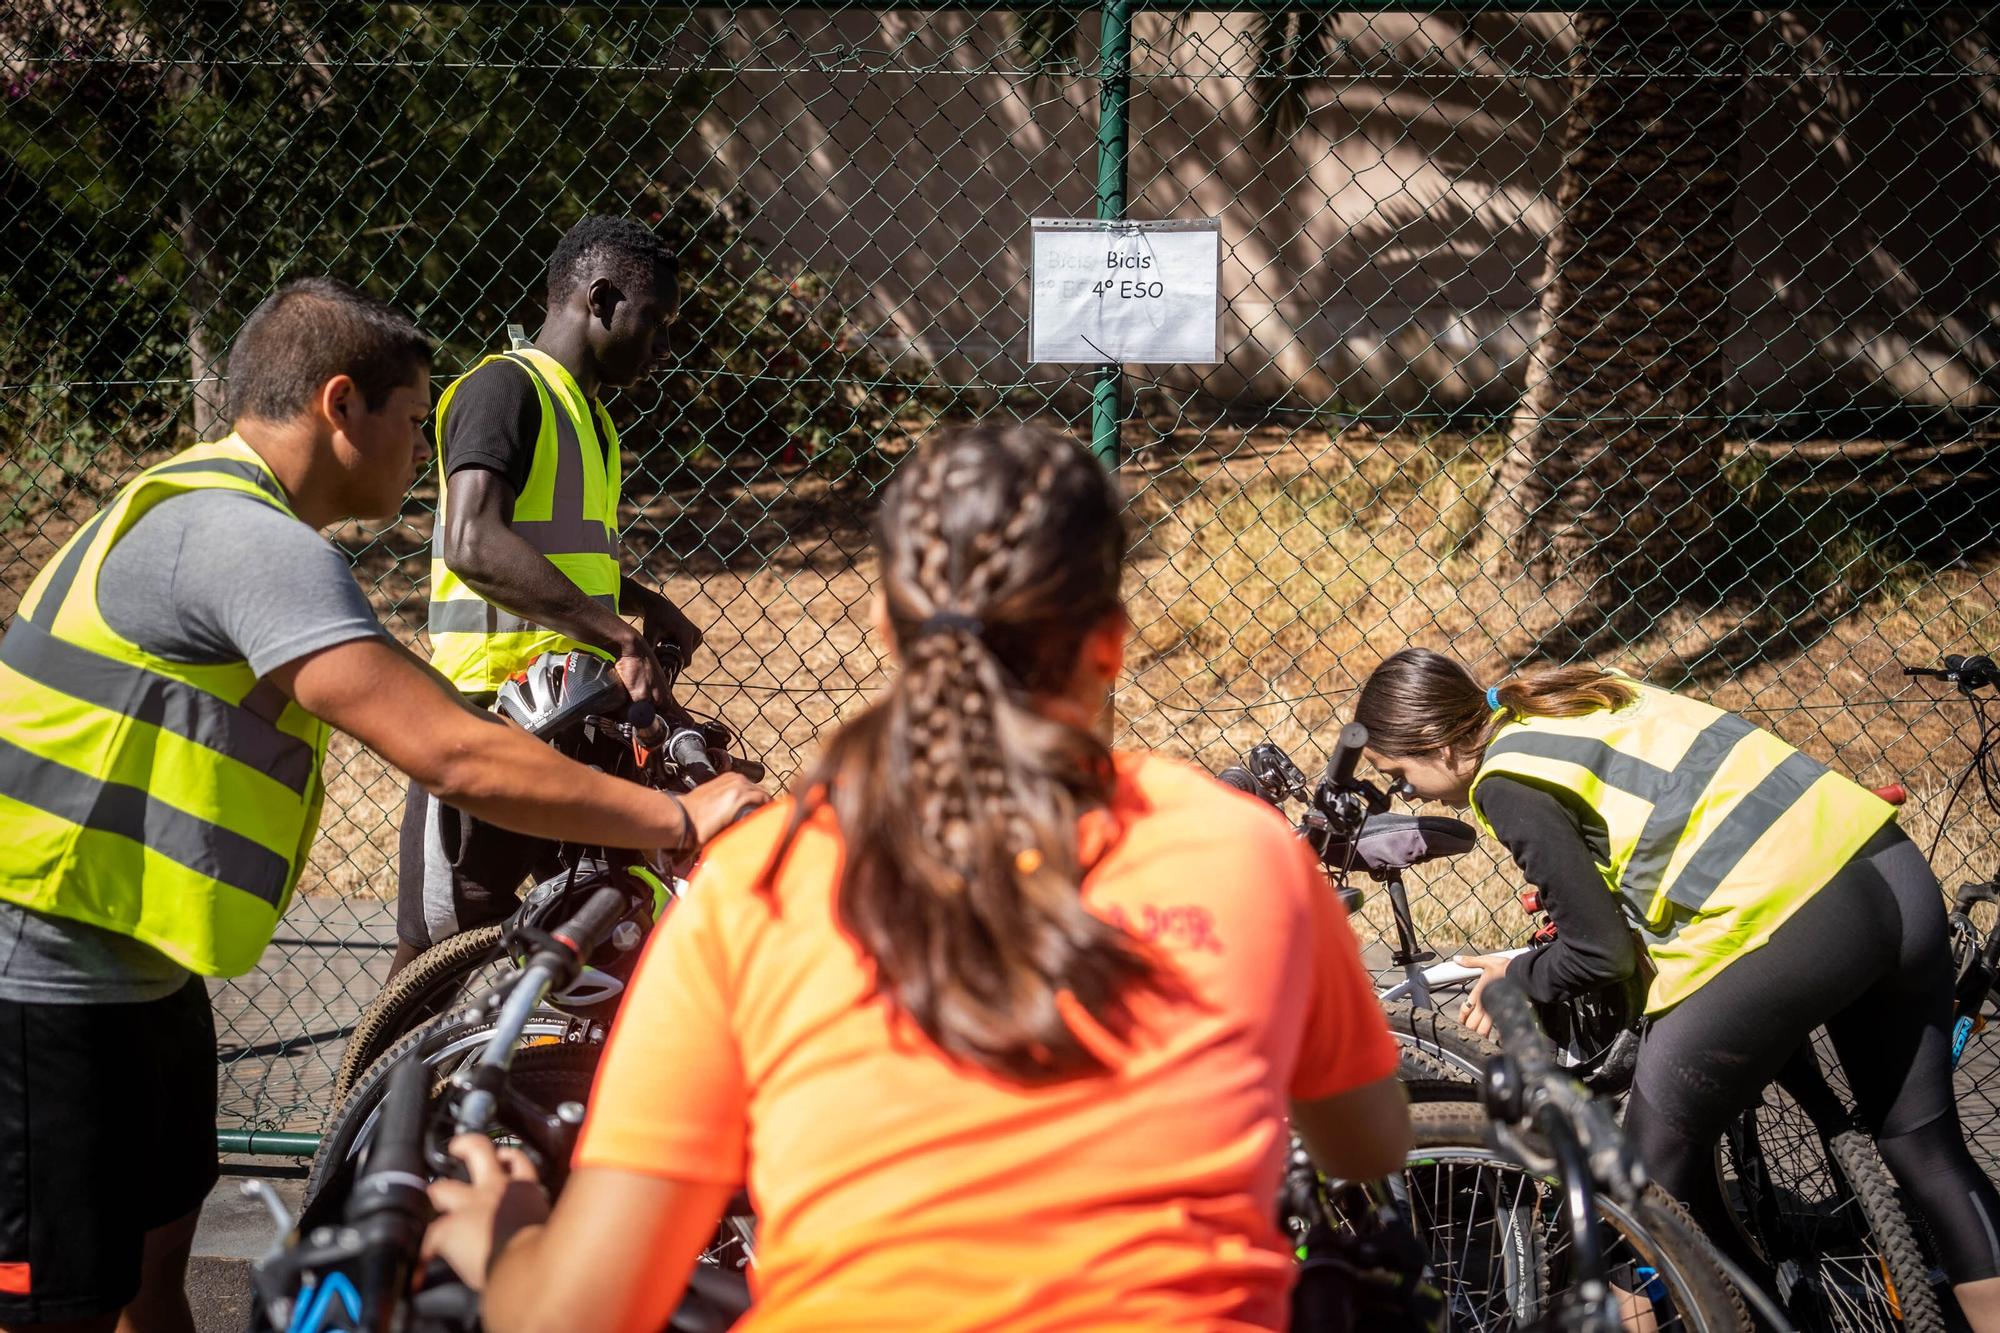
<point>568,537</point>
<point>567,531</point>
<point>1673,805</point>
<point>246,734</point>
<point>207,849</point>
<point>467,616</point>
<point>1631,775</point>
<point>1673,795</point>
<point>1749,820</point>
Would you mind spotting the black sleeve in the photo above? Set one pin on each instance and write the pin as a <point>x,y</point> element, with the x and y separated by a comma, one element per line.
<point>494,419</point>
<point>1593,944</point>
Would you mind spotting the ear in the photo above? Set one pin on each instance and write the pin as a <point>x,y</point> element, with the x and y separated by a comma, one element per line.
<point>604,298</point>
<point>338,400</point>
<point>1463,759</point>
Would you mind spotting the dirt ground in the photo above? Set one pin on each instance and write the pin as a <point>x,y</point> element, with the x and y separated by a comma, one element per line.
<point>1271,570</point>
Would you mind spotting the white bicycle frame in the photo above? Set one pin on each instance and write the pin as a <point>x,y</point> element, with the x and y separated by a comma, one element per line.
<point>1441,975</point>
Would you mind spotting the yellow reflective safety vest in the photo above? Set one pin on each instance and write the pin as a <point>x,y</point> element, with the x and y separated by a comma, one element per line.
<point>567,510</point>
<point>1717,830</point>
<point>170,802</point>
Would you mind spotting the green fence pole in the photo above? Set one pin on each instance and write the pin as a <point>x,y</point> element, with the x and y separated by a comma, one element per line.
<point>1114,136</point>
<point>266,1143</point>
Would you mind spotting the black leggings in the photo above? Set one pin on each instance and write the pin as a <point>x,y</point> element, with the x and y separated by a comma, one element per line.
<point>1868,958</point>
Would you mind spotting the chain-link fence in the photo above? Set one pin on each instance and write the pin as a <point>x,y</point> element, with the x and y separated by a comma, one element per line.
<point>1667,339</point>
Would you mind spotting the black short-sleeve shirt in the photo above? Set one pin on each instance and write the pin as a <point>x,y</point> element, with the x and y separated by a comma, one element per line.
<point>493,423</point>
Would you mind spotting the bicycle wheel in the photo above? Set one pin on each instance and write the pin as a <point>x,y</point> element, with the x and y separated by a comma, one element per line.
<point>547,1075</point>
<point>436,979</point>
<point>1499,1237</point>
<point>1437,1047</point>
<point>1823,1212</point>
<point>443,1044</point>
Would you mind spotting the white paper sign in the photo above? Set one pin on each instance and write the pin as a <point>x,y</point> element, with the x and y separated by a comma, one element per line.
<point>1106,293</point>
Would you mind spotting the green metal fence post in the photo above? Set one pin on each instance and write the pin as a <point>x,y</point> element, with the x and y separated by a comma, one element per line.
<point>1114,92</point>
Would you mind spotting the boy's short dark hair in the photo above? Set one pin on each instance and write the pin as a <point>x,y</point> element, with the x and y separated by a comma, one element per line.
<point>634,252</point>
<point>307,332</point>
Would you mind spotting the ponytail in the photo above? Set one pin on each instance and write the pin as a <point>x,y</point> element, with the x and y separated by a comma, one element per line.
<point>1569,691</point>
<point>1418,701</point>
<point>957,801</point>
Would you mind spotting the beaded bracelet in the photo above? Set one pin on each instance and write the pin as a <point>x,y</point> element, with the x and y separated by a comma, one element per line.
<point>690,836</point>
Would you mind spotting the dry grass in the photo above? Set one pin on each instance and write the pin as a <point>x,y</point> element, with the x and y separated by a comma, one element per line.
<point>1272,572</point>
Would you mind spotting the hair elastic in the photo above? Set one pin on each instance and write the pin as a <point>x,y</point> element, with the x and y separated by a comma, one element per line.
<point>950,622</point>
<point>1493,697</point>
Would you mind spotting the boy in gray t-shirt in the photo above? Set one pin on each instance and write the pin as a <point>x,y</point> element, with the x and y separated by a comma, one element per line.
<point>205,577</point>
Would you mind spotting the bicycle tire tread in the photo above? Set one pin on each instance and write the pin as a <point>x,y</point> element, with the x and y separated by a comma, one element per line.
<point>1889,1229</point>
<point>387,1018</point>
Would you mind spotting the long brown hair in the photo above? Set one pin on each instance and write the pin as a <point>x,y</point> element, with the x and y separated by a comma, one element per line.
<point>1000,549</point>
<point>1418,702</point>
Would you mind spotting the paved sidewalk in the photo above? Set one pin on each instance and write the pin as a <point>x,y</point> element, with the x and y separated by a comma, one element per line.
<point>234,1230</point>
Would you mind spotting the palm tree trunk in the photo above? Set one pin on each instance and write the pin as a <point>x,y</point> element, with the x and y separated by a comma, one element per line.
<point>1612,476</point>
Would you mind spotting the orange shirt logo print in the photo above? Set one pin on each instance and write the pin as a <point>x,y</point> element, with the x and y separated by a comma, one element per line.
<point>1191,928</point>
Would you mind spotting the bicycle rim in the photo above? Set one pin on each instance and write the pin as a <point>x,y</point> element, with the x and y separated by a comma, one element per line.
<point>1499,1240</point>
<point>1845,1256</point>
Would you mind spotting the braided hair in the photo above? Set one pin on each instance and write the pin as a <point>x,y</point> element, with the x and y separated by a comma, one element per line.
<point>1001,548</point>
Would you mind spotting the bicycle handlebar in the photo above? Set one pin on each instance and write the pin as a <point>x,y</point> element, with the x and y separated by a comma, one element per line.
<point>687,747</point>
<point>585,928</point>
<point>1243,780</point>
<point>396,1157</point>
<point>370,1259</point>
<point>1969,673</point>
<point>1346,754</point>
<point>1514,1021</point>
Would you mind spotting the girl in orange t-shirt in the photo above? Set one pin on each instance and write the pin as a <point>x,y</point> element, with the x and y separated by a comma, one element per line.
<point>1000,1029</point>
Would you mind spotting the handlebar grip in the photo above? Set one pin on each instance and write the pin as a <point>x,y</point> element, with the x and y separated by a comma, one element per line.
<point>586,928</point>
<point>688,749</point>
<point>1973,672</point>
<point>640,715</point>
<point>1346,754</point>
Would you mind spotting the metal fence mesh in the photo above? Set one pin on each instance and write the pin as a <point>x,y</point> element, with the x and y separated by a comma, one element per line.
<point>1665,339</point>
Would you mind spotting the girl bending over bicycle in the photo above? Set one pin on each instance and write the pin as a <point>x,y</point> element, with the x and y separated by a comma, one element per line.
<point>999,1027</point>
<point>1759,894</point>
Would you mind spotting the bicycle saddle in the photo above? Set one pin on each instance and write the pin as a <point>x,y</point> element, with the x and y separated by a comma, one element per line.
<point>1397,842</point>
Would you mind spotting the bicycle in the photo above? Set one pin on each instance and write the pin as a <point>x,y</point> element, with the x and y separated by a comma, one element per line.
<point>351,1267</point>
<point>1492,1220</point>
<point>593,723</point>
<point>1975,951</point>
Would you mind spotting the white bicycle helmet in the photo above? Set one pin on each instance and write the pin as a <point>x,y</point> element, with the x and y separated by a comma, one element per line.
<point>555,691</point>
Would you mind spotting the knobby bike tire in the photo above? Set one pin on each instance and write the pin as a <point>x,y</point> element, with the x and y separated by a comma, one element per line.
<point>1890,1229</point>
<point>1435,1046</point>
<point>1778,1211</point>
<point>1657,1227</point>
<point>418,994</point>
<point>333,1164</point>
<point>547,1074</point>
